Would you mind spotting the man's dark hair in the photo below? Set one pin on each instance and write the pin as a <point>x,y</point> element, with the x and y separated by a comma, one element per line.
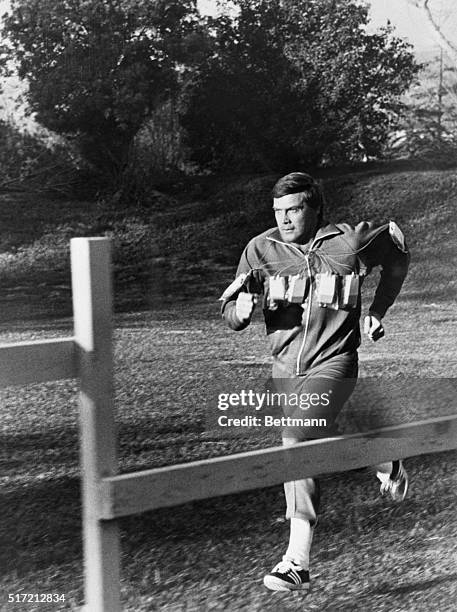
<point>300,182</point>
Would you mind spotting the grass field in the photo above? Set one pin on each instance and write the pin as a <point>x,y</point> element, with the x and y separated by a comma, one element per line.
<point>172,353</point>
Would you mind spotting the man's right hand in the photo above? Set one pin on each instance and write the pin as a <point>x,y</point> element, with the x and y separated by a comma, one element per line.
<point>245,304</point>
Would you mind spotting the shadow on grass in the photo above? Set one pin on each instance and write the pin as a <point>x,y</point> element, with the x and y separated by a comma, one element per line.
<point>64,437</point>
<point>41,525</point>
<point>394,594</point>
<point>46,324</point>
<point>422,585</point>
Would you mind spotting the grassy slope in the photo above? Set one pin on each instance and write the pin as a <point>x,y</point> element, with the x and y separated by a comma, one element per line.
<point>368,555</point>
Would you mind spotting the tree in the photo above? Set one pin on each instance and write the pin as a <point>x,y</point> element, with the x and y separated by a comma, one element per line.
<point>96,69</point>
<point>295,82</point>
<point>429,128</point>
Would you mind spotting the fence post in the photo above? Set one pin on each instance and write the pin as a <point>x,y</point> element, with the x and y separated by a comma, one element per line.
<point>92,308</point>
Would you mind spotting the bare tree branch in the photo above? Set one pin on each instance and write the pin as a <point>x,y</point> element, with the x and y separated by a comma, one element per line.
<point>448,47</point>
<point>417,3</point>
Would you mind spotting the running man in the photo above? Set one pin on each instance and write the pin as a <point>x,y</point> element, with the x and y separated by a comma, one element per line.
<point>309,274</point>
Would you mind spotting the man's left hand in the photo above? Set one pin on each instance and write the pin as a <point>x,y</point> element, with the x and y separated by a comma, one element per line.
<point>373,327</point>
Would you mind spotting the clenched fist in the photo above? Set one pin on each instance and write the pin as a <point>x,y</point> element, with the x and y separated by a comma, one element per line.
<point>245,304</point>
<point>373,328</point>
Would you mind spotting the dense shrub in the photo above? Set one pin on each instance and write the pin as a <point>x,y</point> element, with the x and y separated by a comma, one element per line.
<point>96,70</point>
<point>31,163</point>
<point>294,83</point>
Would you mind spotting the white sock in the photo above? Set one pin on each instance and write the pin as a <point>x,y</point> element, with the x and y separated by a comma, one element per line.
<point>301,537</point>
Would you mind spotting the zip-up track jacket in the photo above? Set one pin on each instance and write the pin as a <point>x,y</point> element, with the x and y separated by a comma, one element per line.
<point>305,335</point>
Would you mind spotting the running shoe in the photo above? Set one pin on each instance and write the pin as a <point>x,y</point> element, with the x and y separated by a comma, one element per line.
<point>287,576</point>
<point>395,484</point>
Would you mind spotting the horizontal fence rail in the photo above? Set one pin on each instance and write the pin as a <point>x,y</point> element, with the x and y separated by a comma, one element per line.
<point>128,494</point>
<point>23,363</point>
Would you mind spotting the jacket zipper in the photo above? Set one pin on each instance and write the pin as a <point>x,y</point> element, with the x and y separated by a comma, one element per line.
<point>308,313</point>
<point>310,296</point>
<point>308,316</point>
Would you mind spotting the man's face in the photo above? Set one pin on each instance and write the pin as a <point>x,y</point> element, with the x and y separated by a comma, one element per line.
<point>297,222</point>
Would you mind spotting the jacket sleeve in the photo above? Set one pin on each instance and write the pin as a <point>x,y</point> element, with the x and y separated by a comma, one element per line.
<point>377,247</point>
<point>248,265</point>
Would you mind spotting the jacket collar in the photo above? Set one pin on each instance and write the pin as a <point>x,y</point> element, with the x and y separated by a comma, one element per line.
<point>326,230</point>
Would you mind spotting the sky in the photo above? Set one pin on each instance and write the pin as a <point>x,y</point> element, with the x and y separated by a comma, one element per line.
<point>410,23</point>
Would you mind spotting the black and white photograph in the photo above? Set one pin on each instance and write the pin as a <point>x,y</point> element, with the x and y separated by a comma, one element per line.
<point>228,359</point>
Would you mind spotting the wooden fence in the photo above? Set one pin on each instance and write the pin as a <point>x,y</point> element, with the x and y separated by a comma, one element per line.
<point>107,495</point>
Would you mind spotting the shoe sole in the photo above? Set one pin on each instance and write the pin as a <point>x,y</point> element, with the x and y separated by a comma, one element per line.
<point>276,584</point>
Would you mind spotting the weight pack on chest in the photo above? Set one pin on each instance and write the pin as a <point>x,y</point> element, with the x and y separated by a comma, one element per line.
<point>330,290</point>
